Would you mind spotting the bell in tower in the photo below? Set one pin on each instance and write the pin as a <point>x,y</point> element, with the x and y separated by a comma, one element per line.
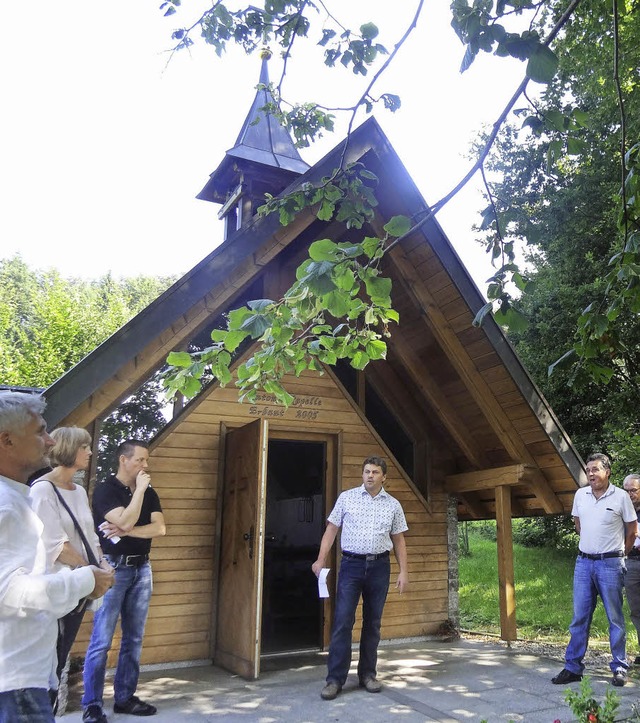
<point>263,160</point>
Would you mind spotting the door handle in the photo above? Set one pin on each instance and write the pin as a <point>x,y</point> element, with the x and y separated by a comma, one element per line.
<point>249,536</point>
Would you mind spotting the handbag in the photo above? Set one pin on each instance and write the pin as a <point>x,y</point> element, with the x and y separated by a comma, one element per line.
<point>88,549</point>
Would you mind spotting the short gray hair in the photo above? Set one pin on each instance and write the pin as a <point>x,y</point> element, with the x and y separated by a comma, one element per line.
<point>18,408</point>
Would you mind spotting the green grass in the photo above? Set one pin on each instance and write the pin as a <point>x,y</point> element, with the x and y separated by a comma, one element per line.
<point>544,581</point>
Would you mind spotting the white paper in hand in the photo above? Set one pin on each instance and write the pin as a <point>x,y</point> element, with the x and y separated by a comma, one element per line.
<point>323,590</point>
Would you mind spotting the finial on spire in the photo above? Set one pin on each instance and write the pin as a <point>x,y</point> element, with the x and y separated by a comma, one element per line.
<point>265,53</point>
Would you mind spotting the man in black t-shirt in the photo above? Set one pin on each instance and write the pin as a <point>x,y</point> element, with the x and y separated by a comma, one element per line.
<point>127,515</point>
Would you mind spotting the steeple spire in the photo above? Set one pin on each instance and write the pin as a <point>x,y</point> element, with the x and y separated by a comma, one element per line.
<point>263,160</point>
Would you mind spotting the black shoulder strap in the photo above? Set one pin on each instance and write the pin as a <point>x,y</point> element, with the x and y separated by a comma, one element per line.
<point>90,554</point>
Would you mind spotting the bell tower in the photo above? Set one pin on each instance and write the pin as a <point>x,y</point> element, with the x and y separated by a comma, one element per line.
<point>263,160</point>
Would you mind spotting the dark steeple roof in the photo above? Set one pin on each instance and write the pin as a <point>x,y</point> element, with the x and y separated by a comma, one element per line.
<point>265,145</point>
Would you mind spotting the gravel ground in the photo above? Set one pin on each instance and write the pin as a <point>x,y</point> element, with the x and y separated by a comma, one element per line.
<point>595,660</point>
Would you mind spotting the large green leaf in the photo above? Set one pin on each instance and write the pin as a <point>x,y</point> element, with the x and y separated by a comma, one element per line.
<point>542,65</point>
<point>255,325</point>
<point>337,303</point>
<point>179,359</point>
<point>321,285</point>
<point>397,226</point>
<point>376,349</point>
<point>323,250</point>
<point>378,287</point>
<point>359,360</point>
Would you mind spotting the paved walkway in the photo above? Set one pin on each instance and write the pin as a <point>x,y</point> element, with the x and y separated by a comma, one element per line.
<point>464,680</point>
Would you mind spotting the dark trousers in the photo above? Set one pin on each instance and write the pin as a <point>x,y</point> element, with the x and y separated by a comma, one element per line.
<point>68,627</point>
<point>369,579</point>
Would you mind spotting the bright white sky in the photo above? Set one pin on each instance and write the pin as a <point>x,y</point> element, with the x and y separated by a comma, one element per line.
<point>104,146</point>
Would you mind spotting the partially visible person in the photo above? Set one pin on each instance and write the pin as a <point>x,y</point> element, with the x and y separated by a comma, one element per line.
<point>372,524</point>
<point>631,485</point>
<point>31,598</point>
<point>125,505</point>
<point>606,522</point>
<point>63,542</point>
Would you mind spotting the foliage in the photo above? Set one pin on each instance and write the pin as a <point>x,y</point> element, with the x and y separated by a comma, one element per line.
<point>480,27</point>
<point>138,417</point>
<point>543,590</point>
<point>338,308</point>
<point>463,539</point>
<point>624,448</point>
<point>49,323</point>
<point>587,709</point>
<point>553,531</point>
<point>564,192</point>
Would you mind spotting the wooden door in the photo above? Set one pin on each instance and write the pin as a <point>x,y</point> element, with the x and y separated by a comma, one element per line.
<point>242,550</point>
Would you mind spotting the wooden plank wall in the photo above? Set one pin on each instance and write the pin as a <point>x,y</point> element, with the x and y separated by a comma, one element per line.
<point>184,468</point>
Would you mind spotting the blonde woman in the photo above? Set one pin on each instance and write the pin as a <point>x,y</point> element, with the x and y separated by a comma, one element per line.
<point>55,498</point>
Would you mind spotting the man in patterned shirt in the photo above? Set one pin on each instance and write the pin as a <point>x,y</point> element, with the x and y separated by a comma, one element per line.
<point>372,523</point>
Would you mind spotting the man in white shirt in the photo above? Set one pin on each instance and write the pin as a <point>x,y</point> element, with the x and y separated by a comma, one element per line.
<point>372,523</point>
<point>606,522</point>
<point>31,600</point>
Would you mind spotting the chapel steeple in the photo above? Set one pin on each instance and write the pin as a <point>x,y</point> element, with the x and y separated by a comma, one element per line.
<point>263,160</point>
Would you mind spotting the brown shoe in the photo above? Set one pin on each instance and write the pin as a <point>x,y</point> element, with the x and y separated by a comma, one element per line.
<point>371,685</point>
<point>330,691</point>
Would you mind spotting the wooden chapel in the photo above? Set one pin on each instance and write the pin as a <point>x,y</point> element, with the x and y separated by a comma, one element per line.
<point>246,487</point>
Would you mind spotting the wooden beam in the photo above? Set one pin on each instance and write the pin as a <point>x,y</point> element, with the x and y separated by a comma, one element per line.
<point>474,507</point>
<point>361,397</point>
<point>472,379</point>
<point>439,402</point>
<point>401,400</point>
<point>464,484</point>
<point>506,577</point>
<point>484,479</point>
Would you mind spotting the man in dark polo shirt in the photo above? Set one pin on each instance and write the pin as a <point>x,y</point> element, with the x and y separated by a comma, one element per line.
<point>127,515</point>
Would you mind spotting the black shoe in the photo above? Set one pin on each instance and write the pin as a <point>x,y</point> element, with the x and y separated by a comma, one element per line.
<point>93,714</point>
<point>135,706</point>
<point>566,676</point>
<point>619,678</point>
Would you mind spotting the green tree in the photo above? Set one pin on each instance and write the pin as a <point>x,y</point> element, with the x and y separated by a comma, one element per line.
<point>293,332</point>
<point>564,211</point>
<point>49,323</point>
<point>138,417</point>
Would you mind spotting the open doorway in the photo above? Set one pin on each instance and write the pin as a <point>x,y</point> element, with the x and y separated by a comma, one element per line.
<point>292,613</point>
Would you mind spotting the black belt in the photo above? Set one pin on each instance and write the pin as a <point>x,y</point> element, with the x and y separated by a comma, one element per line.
<point>601,555</point>
<point>366,557</point>
<point>128,560</point>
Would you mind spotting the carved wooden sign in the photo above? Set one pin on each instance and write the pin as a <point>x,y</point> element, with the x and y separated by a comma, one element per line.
<point>302,408</point>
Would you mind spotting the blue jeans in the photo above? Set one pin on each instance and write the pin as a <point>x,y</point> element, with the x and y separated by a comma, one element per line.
<point>369,579</point>
<point>129,598</point>
<point>26,705</point>
<point>590,579</point>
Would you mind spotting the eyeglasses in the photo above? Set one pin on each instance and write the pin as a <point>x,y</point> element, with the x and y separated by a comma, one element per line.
<point>633,491</point>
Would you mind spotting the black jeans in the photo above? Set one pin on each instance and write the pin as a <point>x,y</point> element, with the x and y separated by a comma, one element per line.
<point>68,627</point>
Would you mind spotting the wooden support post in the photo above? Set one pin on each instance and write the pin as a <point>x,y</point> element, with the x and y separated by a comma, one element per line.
<point>506,578</point>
